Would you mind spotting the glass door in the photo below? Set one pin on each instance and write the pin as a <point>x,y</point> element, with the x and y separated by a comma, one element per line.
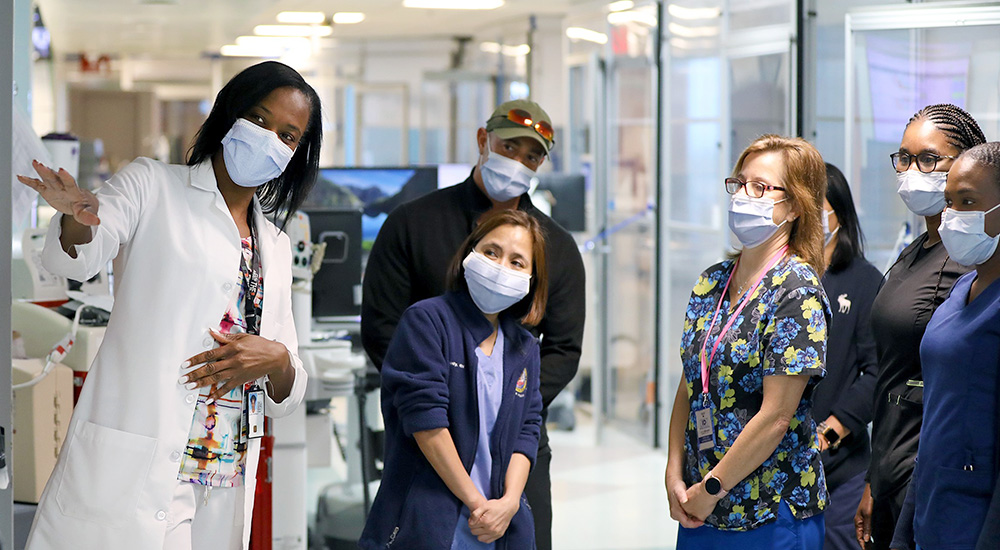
<point>629,200</point>
<point>727,78</point>
<point>900,59</point>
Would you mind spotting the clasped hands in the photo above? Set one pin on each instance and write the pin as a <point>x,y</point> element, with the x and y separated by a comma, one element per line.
<point>689,505</point>
<point>490,519</point>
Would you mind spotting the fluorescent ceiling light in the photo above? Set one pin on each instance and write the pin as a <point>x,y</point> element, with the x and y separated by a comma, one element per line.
<point>273,42</point>
<point>681,12</point>
<point>508,50</point>
<point>453,4</point>
<point>692,32</point>
<point>696,44</point>
<point>293,30</point>
<point>491,47</point>
<point>637,16</point>
<point>516,51</point>
<point>302,17</point>
<point>621,5</point>
<point>348,17</point>
<point>234,50</point>
<point>580,33</point>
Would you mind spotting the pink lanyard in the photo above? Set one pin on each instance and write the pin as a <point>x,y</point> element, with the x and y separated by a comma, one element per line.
<point>704,365</point>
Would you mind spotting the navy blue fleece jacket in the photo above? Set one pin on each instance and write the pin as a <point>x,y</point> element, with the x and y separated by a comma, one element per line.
<point>429,382</point>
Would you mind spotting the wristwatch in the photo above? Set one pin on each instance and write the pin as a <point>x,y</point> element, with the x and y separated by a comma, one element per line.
<point>828,433</point>
<point>714,487</point>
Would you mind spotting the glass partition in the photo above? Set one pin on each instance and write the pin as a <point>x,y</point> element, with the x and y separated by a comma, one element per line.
<point>899,60</point>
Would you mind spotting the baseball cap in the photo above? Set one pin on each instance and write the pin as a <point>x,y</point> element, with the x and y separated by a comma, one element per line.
<point>522,118</point>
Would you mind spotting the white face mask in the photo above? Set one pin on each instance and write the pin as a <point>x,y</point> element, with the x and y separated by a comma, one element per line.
<point>827,234</point>
<point>492,286</point>
<point>505,178</point>
<point>922,193</point>
<point>254,155</point>
<point>752,220</point>
<point>964,236</point>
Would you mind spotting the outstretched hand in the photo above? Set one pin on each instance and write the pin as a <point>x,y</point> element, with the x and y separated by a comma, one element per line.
<point>60,190</point>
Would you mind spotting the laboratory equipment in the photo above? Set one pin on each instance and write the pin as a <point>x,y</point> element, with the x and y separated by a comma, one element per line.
<point>41,417</point>
<point>327,359</point>
<point>336,287</point>
<point>41,328</point>
<point>29,279</point>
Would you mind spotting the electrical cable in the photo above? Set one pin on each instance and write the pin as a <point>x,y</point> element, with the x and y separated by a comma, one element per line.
<point>58,353</point>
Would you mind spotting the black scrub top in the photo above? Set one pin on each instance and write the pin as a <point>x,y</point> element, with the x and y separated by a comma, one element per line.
<point>919,281</point>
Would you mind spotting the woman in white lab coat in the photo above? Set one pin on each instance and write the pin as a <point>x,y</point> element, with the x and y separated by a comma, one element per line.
<point>160,452</point>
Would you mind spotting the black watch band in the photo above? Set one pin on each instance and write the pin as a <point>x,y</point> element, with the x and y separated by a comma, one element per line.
<point>831,436</point>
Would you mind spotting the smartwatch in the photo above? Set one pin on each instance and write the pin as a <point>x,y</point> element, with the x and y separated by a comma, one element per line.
<point>714,487</point>
<point>831,435</point>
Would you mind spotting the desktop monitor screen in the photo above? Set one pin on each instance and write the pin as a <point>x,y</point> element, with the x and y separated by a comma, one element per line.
<point>376,191</point>
<point>568,197</point>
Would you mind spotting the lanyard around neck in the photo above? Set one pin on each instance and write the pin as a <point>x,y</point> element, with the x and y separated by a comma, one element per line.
<point>705,364</point>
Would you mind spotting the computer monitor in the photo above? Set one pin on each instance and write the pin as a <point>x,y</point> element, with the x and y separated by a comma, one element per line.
<point>337,284</point>
<point>375,191</point>
<point>569,199</point>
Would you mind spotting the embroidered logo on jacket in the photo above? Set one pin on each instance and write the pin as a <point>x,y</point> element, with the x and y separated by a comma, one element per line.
<point>522,384</point>
<point>457,365</point>
<point>844,303</point>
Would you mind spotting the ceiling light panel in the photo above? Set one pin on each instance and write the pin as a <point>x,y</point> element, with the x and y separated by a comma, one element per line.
<point>293,30</point>
<point>302,17</point>
<point>348,17</point>
<point>453,4</point>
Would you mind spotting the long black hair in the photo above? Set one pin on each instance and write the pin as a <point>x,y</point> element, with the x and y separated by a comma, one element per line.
<point>850,240</point>
<point>283,195</point>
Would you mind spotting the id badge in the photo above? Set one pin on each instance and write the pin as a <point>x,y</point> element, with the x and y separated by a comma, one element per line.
<point>703,427</point>
<point>255,412</point>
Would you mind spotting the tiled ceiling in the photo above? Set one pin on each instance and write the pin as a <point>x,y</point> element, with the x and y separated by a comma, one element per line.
<point>186,28</point>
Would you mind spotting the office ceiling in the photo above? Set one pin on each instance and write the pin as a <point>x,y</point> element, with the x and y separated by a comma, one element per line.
<point>186,28</point>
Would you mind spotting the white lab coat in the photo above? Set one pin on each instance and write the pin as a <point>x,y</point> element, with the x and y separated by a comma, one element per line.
<point>176,253</point>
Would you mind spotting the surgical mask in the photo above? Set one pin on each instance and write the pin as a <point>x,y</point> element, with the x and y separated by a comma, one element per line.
<point>254,155</point>
<point>964,236</point>
<point>922,193</point>
<point>492,286</point>
<point>505,178</point>
<point>827,234</point>
<point>752,220</point>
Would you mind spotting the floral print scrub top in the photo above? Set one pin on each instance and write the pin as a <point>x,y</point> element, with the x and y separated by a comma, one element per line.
<point>781,331</point>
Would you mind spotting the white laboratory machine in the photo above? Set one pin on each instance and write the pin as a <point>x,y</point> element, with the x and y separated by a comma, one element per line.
<point>300,441</point>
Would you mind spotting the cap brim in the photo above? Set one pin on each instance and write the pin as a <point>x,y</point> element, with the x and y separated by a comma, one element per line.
<point>521,131</point>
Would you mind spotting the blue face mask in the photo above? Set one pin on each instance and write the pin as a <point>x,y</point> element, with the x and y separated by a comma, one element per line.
<point>752,219</point>
<point>254,155</point>
<point>505,178</point>
<point>965,238</point>
<point>492,286</point>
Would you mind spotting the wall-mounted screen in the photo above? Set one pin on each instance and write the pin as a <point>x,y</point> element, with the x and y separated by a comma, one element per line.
<point>376,191</point>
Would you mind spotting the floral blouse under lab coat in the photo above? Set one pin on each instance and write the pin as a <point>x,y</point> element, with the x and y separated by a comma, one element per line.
<point>781,331</point>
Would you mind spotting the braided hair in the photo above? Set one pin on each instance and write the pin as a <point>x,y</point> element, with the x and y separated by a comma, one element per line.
<point>958,126</point>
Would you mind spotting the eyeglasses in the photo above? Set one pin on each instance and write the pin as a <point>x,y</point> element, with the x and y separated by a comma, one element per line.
<point>926,161</point>
<point>523,118</point>
<point>754,189</point>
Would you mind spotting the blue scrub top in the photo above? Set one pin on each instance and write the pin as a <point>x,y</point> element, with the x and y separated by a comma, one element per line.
<point>489,386</point>
<point>955,476</point>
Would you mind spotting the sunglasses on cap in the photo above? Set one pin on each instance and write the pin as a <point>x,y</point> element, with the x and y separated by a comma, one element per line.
<point>523,118</point>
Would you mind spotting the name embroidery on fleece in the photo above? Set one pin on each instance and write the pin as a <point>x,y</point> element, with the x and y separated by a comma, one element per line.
<point>522,384</point>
